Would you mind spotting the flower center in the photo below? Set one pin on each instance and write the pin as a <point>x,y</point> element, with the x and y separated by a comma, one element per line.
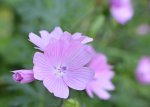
<point>60,70</point>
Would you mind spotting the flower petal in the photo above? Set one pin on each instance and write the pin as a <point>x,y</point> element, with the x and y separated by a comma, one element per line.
<point>84,39</point>
<point>78,79</point>
<point>54,51</point>
<point>45,35</point>
<point>57,86</point>
<point>104,75</point>
<point>108,85</point>
<point>66,36</point>
<point>56,33</point>
<point>89,92</point>
<point>76,56</point>
<point>42,66</point>
<point>36,40</point>
<point>102,94</point>
<point>87,40</point>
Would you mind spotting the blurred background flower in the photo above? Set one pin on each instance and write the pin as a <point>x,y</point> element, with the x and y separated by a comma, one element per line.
<point>119,42</point>
<point>121,10</point>
<point>101,82</point>
<point>143,70</point>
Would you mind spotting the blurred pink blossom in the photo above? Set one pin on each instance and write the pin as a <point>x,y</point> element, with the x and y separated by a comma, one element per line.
<point>57,33</point>
<point>121,10</point>
<point>143,70</point>
<point>23,76</point>
<point>101,82</point>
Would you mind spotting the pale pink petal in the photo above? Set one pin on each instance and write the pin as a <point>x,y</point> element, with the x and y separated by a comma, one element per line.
<point>106,84</point>
<point>79,59</point>
<point>104,75</point>
<point>76,56</point>
<point>109,86</point>
<point>36,40</point>
<point>79,78</point>
<point>96,87</point>
<point>102,94</point>
<point>99,63</point>
<point>84,39</point>
<point>91,50</point>
<point>56,33</point>
<point>57,86</point>
<point>66,36</point>
<point>42,42</point>
<point>72,54</point>
<point>45,36</point>
<point>42,66</point>
<point>87,40</point>
<point>89,92</point>
<point>54,51</point>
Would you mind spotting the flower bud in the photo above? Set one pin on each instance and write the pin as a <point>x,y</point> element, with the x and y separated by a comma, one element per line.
<point>23,76</point>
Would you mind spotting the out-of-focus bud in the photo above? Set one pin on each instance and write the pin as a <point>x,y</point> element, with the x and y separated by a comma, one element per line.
<point>23,76</point>
<point>121,10</point>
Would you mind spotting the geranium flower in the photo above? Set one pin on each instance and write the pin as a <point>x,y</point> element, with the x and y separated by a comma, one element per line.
<point>143,70</point>
<point>57,33</point>
<point>62,65</point>
<point>101,82</point>
<point>121,10</point>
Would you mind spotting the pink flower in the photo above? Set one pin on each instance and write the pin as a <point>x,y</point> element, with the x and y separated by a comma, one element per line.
<point>121,10</point>
<point>102,78</point>
<point>23,76</point>
<point>143,70</point>
<point>62,65</point>
<point>57,33</point>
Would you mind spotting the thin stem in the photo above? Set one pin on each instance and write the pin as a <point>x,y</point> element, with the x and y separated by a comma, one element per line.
<point>61,103</point>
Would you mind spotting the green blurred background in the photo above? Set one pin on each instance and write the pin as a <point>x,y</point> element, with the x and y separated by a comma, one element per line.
<point>122,44</point>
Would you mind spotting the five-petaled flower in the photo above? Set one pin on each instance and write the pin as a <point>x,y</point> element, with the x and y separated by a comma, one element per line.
<point>61,64</point>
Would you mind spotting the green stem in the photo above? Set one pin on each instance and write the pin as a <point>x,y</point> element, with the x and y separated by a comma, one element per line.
<point>61,103</point>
